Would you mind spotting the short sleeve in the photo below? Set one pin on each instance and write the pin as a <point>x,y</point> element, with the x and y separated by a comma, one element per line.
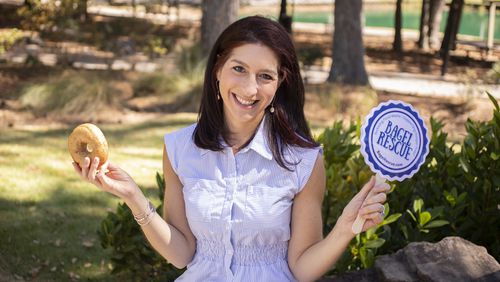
<point>307,157</point>
<point>171,145</point>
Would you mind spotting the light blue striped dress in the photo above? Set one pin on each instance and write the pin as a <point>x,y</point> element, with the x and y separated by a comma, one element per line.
<point>238,207</point>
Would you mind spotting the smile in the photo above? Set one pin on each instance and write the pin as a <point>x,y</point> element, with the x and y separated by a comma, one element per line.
<point>244,102</point>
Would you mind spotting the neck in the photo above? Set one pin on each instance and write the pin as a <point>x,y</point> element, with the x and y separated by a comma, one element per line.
<point>240,133</point>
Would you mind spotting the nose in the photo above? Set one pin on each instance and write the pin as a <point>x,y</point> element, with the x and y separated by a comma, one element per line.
<point>250,86</point>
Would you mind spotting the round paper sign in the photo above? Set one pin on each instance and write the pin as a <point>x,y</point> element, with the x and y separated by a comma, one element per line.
<point>394,144</point>
<point>394,140</point>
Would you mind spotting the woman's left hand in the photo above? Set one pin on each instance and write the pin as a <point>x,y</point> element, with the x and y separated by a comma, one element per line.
<point>368,203</point>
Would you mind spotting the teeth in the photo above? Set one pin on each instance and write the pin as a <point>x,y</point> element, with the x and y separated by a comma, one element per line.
<point>244,102</point>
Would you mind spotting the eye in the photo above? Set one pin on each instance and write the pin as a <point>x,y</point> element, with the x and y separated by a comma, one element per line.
<point>266,76</point>
<point>238,69</point>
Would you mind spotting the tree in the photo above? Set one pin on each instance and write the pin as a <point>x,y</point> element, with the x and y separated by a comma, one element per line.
<point>450,34</point>
<point>348,65</point>
<point>397,45</point>
<point>423,42</point>
<point>284,19</point>
<point>430,21</point>
<point>217,15</point>
<point>435,16</point>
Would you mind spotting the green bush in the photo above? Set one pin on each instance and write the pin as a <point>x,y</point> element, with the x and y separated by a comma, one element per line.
<point>455,193</point>
<point>46,15</point>
<point>131,253</point>
<point>8,37</point>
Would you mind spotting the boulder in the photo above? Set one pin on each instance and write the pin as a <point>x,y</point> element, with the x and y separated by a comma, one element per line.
<point>451,259</point>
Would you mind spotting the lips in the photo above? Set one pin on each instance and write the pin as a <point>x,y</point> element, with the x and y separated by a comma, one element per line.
<point>244,102</point>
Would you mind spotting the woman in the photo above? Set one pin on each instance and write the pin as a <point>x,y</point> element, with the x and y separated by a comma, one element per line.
<point>245,184</point>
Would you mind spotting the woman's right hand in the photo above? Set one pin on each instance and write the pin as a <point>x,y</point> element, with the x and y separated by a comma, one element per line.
<point>109,178</point>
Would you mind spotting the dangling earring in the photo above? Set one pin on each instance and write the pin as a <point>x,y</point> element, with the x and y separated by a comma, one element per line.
<point>271,110</point>
<point>218,90</point>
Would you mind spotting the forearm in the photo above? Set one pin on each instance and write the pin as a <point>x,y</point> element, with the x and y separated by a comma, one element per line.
<point>318,259</point>
<point>164,238</point>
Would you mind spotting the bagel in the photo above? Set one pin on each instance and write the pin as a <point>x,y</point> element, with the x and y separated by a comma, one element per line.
<point>87,140</point>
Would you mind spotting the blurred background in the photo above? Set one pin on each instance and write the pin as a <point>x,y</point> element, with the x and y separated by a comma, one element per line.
<point>135,68</point>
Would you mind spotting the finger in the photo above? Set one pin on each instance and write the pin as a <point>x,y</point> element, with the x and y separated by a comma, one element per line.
<point>77,168</point>
<point>382,187</point>
<point>112,166</point>
<point>377,198</point>
<point>367,188</point>
<point>375,216</point>
<point>103,180</point>
<point>104,167</point>
<point>373,221</point>
<point>93,169</point>
<point>85,168</point>
<point>371,209</point>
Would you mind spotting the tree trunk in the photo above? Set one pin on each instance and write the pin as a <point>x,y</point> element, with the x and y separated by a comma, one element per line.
<point>348,65</point>
<point>397,45</point>
<point>82,10</point>
<point>423,39</point>
<point>284,19</point>
<point>451,31</point>
<point>217,15</point>
<point>435,15</point>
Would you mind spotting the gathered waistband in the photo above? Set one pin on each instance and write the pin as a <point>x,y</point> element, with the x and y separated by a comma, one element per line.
<point>242,254</point>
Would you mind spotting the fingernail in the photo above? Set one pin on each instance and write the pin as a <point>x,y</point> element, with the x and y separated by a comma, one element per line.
<point>96,159</point>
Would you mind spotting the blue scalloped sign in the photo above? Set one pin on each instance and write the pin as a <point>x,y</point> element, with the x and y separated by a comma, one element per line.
<point>394,140</point>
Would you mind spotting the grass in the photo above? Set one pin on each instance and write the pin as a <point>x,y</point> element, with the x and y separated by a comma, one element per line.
<point>49,216</point>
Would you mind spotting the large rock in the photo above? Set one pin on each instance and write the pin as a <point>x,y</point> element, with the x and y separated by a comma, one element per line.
<point>452,259</point>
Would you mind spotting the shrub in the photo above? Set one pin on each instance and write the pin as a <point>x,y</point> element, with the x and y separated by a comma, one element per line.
<point>8,38</point>
<point>45,15</point>
<point>455,193</point>
<point>131,253</point>
<point>182,88</point>
<point>73,92</point>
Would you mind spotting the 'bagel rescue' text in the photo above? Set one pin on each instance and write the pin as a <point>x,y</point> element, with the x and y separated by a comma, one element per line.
<point>396,139</point>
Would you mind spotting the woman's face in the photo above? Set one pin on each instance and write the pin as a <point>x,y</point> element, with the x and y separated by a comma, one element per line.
<point>248,81</point>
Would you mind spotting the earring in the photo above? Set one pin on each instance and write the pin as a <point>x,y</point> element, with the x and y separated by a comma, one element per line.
<point>271,110</point>
<point>218,90</point>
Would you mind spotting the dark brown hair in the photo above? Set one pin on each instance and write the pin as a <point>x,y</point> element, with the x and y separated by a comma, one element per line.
<point>287,125</point>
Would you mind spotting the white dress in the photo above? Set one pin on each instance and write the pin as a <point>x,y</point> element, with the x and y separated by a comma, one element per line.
<point>238,207</point>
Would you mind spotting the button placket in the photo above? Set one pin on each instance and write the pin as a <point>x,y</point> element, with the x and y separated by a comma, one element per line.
<point>228,257</point>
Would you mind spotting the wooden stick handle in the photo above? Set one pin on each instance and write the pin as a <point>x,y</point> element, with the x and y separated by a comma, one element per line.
<point>357,226</point>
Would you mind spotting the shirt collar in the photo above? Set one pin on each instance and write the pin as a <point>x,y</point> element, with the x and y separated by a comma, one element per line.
<point>258,144</point>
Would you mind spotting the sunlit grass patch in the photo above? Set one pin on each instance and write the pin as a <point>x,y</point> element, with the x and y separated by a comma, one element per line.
<point>49,216</point>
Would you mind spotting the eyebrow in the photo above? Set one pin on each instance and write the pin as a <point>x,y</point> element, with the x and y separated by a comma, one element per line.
<point>242,63</point>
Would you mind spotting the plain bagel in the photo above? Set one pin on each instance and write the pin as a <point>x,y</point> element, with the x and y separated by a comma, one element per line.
<point>87,140</point>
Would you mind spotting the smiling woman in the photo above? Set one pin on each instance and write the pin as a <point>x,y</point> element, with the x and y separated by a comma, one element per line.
<point>244,185</point>
<point>247,84</point>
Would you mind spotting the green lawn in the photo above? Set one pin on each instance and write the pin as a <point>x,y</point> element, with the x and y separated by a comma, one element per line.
<point>49,216</point>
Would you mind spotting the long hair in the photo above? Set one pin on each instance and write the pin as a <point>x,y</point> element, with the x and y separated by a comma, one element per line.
<point>287,125</point>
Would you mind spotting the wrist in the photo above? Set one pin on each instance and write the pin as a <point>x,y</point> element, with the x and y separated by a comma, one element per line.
<point>342,230</point>
<point>137,202</point>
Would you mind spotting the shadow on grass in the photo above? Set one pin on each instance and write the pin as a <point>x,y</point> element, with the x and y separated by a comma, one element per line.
<point>118,132</point>
<point>50,238</point>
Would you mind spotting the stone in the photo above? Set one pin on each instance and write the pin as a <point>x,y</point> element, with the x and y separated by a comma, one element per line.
<point>451,259</point>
